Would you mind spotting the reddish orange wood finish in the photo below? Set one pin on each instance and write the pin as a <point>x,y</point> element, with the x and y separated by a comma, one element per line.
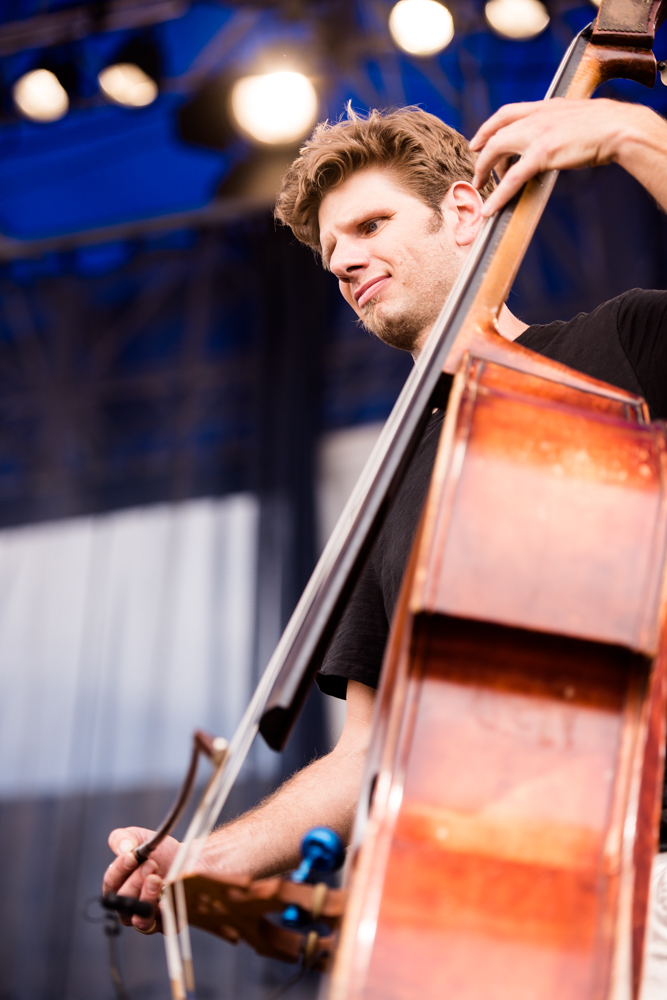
<point>550,522</point>
<point>526,661</point>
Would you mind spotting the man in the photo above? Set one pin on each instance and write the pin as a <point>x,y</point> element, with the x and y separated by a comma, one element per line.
<point>393,203</point>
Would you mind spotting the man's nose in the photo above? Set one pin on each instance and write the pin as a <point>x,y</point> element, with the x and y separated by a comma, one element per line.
<point>347,259</point>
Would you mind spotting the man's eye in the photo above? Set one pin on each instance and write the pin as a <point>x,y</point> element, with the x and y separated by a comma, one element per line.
<point>372,226</point>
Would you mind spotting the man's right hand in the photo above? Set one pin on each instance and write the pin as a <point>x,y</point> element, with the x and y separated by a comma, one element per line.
<point>144,882</point>
<point>266,840</point>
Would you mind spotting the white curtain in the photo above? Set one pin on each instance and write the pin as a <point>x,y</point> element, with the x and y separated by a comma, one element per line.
<point>119,635</point>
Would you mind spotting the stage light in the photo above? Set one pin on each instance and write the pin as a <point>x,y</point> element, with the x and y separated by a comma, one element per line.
<point>275,108</point>
<point>421,27</point>
<point>517,18</point>
<point>40,96</point>
<point>127,84</point>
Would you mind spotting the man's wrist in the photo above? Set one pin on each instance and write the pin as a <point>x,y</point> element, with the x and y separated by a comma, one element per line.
<point>215,855</point>
<point>199,858</point>
<point>642,134</point>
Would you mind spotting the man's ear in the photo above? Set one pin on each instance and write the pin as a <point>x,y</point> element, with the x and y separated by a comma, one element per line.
<point>462,210</point>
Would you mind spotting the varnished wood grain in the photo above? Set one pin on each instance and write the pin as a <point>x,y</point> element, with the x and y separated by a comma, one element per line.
<point>546,516</point>
<point>495,862</point>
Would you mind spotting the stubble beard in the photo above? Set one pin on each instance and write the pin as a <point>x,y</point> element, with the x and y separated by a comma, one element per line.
<point>403,331</point>
<point>408,327</point>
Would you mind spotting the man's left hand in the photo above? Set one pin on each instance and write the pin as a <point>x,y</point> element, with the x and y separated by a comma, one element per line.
<point>559,134</point>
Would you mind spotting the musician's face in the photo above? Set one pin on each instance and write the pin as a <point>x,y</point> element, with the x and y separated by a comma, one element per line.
<point>395,258</point>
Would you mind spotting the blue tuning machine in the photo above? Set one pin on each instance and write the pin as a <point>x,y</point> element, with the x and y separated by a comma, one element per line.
<point>322,851</point>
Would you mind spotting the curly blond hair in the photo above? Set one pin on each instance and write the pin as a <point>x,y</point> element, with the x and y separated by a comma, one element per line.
<point>426,156</point>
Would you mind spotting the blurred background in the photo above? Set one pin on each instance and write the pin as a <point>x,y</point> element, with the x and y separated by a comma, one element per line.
<point>185,402</point>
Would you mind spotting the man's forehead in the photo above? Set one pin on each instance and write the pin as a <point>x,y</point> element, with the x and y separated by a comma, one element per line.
<point>363,192</point>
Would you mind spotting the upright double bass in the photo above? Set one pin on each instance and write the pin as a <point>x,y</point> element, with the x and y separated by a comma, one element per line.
<point>509,810</point>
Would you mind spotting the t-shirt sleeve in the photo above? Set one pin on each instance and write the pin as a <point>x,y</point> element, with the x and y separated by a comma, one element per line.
<point>357,648</point>
<point>642,330</point>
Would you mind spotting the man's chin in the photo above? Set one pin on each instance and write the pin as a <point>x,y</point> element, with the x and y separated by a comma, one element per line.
<point>396,331</point>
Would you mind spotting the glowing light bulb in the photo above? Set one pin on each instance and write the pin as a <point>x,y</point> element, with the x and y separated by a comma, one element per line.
<point>517,18</point>
<point>40,96</point>
<point>274,107</point>
<point>421,27</point>
<point>127,84</point>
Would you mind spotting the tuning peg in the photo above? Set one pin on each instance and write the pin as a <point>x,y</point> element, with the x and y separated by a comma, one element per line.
<point>662,70</point>
<point>293,917</point>
<point>322,850</point>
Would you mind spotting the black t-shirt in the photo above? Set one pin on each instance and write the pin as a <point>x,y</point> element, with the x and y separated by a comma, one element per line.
<point>623,342</point>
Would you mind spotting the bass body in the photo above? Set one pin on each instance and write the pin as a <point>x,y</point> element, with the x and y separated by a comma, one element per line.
<point>518,746</point>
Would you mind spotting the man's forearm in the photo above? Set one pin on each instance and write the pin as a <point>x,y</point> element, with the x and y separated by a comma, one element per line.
<point>642,150</point>
<point>266,840</point>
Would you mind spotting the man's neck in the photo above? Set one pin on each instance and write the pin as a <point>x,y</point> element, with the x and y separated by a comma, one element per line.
<point>509,327</point>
